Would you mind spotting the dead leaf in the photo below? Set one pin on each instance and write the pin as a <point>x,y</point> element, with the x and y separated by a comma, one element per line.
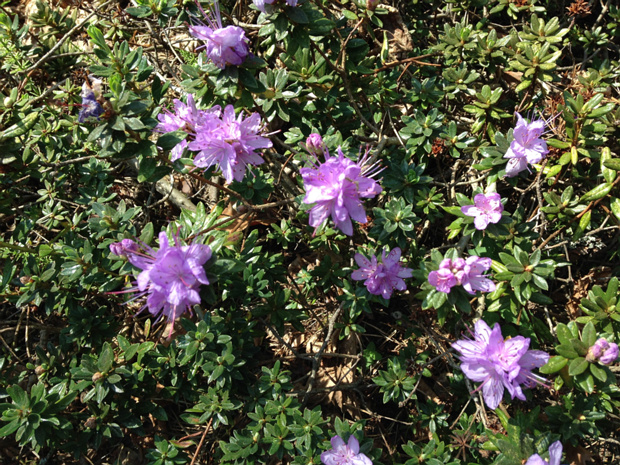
<point>577,455</point>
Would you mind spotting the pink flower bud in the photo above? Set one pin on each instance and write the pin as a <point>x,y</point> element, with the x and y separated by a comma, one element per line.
<point>603,352</point>
<point>610,355</point>
<point>315,144</point>
<point>123,247</point>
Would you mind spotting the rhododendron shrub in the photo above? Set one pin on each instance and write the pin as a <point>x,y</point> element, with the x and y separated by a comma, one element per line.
<point>301,232</point>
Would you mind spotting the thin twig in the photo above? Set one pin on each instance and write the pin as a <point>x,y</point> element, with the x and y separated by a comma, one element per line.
<point>408,61</point>
<point>202,440</point>
<point>66,162</point>
<point>46,93</point>
<point>8,347</point>
<point>316,360</point>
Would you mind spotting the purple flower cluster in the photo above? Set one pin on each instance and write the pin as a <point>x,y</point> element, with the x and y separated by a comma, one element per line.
<point>555,455</point>
<point>219,138</point>
<point>91,108</point>
<point>224,45</point>
<point>231,144</point>
<point>526,147</point>
<point>603,352</point>
<point>486,209</point>
<point>467,273</point>
<point>499,364</point>
<point>336,188</point>
<point>345,454</point>
<point>384,275</point>
<point>260,4</point>
<point>171,276</point>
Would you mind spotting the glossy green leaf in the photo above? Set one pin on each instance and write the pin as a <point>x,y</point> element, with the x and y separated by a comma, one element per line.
<point>577,366</point>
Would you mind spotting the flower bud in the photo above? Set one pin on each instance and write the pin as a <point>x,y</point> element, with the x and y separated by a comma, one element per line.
<point>91,422</point>
<point>610,355</point>
<point>97,377</point>
<point>123,247</point>
<point>39,370</point>
<point>603,352</point>
<point>372,4</point>
<point>595,352</point>
<point>315,144</point>
<point>116,248</point>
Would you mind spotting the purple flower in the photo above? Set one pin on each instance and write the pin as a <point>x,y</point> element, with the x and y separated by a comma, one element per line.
<point>260,4</point>
<point>610,355</point>
<point>526,147</point>
<point>185,117</point>
<point>188,118</point>
<point>555,455</point>
<point>91,108</point>
<point>468,273</point>
<point>602,351</point>
<point>220,138</point>
<point>382,277</point>
<point>231,144</point>
<point>344,454</point>
<point>472,278</point>
<point>177,150</point>
<point>224,45</point>
<point>442,279</point>
<point>315,144</point>
<point>445,277</point>
<point>486,209</point>
<point>171,276</point>
<point>499,364</point>
<point>336,188</point>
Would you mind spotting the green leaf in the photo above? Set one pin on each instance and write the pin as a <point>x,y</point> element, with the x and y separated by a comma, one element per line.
<point>555,364</point>
<point>598,112</point>
<point>566,350</point>
<point>321,26</point>
<point>438,299</point>
<point>508,259</point>
<point>612,164</point>
<point>577,366</point>
<point>134,124</point>
<point>97,37</point>
<point>297,15</point>
<point>588,335</point>
<point>540,282</point>
<point>598,372</point>
<point>106,359</point>
<point>71,270</point>
<point>139,12</point>
<point>19,396</point>
<point>113,379</point>
<point>171,139</point>
<point>608,174</point>
<point>614,204</point>
<point>247,79</point>
<point>597,193</point>
<point>524,85</point>
<point>580,347</point>
<point>10,428</point>
<point>587,383</point>
<point>584,223</point>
